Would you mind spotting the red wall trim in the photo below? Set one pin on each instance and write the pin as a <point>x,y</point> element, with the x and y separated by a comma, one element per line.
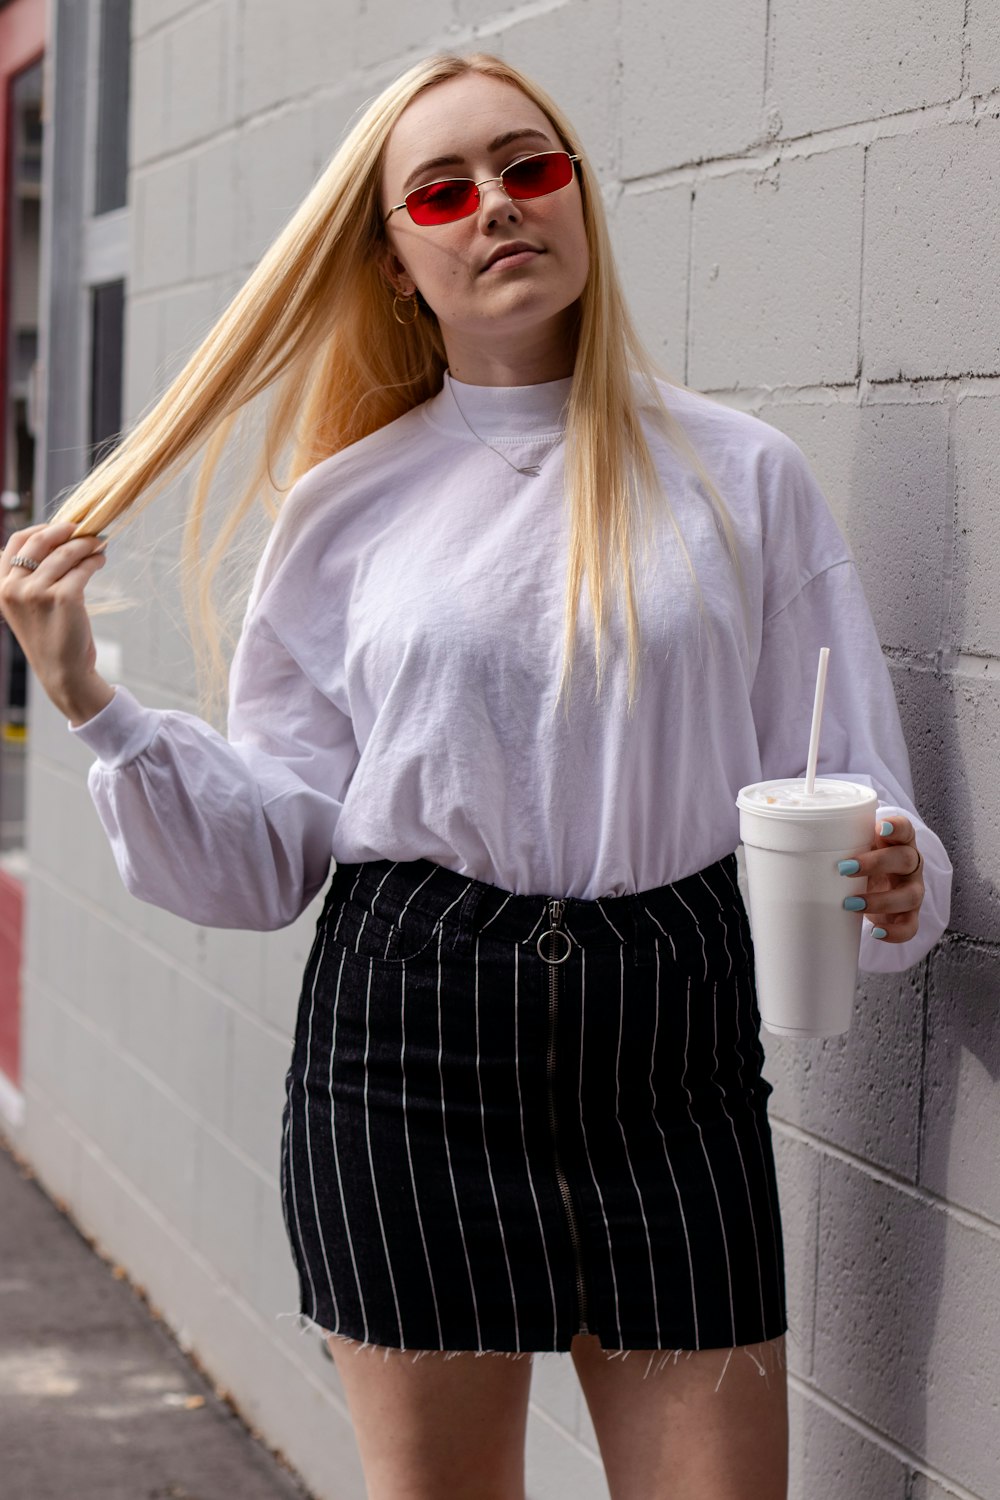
<point>11,929</point>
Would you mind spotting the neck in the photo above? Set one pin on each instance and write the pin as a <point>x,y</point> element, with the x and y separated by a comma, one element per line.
<point>546,353</point>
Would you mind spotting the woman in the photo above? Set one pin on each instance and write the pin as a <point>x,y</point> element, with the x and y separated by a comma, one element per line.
<point>525,1108</point>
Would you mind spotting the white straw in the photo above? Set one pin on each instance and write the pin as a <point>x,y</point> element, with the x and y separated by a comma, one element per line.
<point>824,657</point>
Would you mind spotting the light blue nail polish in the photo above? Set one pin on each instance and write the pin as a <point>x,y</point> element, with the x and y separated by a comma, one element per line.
<point>878,932</point>
<point>848,867</point>
<point>885,829</point>
<point>855,903</point>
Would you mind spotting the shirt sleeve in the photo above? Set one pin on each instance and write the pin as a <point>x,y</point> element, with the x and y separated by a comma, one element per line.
<point>861,738</point>
<point>231,831</point>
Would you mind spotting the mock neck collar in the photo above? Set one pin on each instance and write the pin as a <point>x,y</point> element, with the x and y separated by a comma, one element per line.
<point>498,412</point>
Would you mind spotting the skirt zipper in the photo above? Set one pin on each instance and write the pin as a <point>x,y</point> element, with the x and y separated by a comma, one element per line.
<point>556,909</point>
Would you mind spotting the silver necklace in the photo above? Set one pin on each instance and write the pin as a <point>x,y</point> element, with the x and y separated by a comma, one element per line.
<point>534,470</point>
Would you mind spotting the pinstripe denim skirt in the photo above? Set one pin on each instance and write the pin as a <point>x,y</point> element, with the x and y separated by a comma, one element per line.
<point>511,1119</point>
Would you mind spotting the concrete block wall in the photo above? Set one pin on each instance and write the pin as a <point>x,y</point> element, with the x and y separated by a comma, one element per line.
<point>804,202</point>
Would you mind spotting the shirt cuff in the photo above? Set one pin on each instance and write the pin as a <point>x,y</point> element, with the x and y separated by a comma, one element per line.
<point>879,957</point>
<point>119,731</point>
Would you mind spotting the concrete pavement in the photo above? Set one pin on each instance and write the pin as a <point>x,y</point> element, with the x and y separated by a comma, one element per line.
<point>97,1401</point>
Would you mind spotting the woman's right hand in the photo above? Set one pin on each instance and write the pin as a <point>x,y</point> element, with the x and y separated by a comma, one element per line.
<point>44,608</point>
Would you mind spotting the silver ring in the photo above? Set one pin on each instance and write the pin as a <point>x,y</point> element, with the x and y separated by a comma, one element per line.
<point>20,561</point>
<point>554,932</point>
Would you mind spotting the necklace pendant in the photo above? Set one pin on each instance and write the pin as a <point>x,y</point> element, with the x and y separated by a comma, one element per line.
<point>532,469</point>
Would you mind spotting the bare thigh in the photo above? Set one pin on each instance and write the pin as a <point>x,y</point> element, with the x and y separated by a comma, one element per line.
<point>432,1426</point>
<point>708,1425</point>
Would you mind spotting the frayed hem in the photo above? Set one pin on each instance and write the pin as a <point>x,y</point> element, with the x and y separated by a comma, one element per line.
<point>306,1324</point>
<point>771,1350</point>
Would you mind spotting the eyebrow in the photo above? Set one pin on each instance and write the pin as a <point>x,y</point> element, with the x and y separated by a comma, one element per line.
<point>417,175</point>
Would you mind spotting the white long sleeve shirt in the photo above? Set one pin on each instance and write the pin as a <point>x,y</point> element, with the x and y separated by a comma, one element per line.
<point>392,693</point>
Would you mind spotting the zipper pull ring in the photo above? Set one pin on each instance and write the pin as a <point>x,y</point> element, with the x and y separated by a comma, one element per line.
<point>556,909</point>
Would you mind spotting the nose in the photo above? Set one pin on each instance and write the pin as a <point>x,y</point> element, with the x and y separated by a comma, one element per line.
<point>494,203</point>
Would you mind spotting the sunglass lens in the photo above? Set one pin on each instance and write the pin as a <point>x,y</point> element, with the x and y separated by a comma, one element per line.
<point>440,202</point>
<point>538,175</point>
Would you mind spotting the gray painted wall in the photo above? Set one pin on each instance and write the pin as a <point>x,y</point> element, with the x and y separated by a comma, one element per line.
<point>805,201</point>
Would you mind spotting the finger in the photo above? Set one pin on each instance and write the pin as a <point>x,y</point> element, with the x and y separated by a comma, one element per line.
<point>888,865</point>
<point>894,860</point>
<point>900,829</point>
<point>37,541</point>
<point>902,898</point>
<point>17,539</point>
<point>64,558</point>
<point>896,929</point>
<point>890,854</point>
<point>51,566</point>
<point>72,583</point>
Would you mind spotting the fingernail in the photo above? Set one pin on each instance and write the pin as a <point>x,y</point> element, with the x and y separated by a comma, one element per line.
<point>848,867</point>
<point>878,932</point>
<point>855,903</point>
<point>885,829</point>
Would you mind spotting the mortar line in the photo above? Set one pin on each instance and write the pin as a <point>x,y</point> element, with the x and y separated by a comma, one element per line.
<point>968,1218</point>
<point>618,113</point>
<point>815,1297</point>
<point>946,635</point>
<point>860,351</point>
<point>821,142</point>
<point>925,1000</point>
<point>974,944</point>
<point>239,80</point>
<point>689,299</point>
<point>768,64</point>
<point>959,664</point>
<point>878,1439</point>
<point>966,48</point>
<point>909,391</point>
<point>530,10</point>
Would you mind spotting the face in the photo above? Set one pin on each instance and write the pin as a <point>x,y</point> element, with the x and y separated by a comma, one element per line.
<point>517,304</point>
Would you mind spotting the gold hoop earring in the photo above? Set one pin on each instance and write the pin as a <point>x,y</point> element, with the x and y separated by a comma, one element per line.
<point>416,308</point>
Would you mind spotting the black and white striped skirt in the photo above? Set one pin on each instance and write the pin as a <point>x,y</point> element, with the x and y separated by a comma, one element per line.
<point>512,1119</point>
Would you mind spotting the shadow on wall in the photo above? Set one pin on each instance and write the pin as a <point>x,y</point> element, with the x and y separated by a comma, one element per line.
<point>908,1339</point>
<point>905,1293</point>
<point>905,1311</point>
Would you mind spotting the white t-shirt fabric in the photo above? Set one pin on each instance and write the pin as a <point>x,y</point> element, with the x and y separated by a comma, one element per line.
<point>393,691</point>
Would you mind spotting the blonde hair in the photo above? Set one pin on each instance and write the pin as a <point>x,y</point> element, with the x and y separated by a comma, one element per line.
<point>313,327</point>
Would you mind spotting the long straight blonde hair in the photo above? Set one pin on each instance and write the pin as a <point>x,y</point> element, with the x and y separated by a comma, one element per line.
<point>313,327</point>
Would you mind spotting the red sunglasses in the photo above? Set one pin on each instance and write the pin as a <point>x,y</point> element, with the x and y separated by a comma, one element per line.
<point>457,197</point>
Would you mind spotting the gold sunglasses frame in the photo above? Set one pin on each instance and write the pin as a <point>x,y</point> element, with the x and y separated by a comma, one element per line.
<point>520,162</point>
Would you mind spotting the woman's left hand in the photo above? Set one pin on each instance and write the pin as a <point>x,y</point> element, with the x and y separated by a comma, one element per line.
<point>895,887</point>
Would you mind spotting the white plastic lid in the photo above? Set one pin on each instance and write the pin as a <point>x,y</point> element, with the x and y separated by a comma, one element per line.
<point>790,796</point>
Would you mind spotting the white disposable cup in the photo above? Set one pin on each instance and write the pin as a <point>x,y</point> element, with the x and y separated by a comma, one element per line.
<point>806,946</point>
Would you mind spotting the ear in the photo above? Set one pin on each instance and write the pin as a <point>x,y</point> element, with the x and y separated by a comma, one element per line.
<point>396,275</point>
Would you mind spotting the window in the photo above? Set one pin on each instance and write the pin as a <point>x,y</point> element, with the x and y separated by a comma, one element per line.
<point>112,106</point>
<point>107,326</point>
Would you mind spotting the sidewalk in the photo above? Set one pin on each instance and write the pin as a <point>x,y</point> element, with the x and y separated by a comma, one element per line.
<point>97,1402</point>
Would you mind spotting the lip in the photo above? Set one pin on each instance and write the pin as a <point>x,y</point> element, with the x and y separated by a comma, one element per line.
<point>517,251</point>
